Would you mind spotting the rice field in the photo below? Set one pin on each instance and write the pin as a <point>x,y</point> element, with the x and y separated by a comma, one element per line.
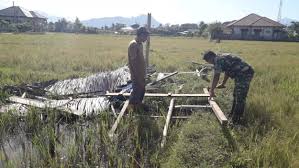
<point>269,139</point>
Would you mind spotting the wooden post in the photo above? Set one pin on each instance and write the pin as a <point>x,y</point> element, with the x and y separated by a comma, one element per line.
<point>148,42</point>
<point>169,114</point>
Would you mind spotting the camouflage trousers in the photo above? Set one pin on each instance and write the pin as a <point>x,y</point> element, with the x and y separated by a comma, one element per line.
<point>242,84</point>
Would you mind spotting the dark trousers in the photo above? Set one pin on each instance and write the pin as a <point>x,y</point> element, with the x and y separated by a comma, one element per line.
<point>242,84</point>
<point>138,92</point>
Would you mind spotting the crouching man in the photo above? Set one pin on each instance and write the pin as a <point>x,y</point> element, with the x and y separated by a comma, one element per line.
<point>235,68</point>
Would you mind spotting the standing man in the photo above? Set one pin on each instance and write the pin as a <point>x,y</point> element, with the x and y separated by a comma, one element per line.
<point>137,67</point>
<point>235,68</point>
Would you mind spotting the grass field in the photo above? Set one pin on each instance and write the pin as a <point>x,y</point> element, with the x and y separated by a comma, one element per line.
<point>270,139</point>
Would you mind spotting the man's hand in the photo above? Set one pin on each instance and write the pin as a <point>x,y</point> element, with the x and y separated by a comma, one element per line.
<point>220,86</point>
<point>212,94</point>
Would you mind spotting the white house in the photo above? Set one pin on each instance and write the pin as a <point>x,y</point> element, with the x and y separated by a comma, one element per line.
<point>255,27</point>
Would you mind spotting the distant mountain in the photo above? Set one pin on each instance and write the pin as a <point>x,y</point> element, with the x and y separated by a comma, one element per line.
<point>50,18</point>
<point>108,21</point>
<point>287,21</point>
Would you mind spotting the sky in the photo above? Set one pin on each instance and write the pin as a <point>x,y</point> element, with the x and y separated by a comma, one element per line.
<point>165,11</point>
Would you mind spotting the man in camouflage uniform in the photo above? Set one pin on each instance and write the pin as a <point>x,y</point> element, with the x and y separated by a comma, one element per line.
<point>137,67</point>
<point>235,68</point>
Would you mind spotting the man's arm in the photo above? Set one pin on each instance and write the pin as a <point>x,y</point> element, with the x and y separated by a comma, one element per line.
<point>222,85</point>
<point>132,57</point>
<point>214,83</point>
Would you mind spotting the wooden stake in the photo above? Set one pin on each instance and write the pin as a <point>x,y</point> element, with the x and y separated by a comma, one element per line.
<point>216,109</point>
<point>169,114</point>
<point>149,20</point>
<point>122,112</point>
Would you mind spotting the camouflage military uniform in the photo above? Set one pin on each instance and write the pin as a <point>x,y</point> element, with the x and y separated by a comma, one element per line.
<point>242,73</point>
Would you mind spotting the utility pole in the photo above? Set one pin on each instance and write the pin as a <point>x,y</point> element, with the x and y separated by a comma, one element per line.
<point>279,11</point>
<point>14,12</point>
<point>148,42</point>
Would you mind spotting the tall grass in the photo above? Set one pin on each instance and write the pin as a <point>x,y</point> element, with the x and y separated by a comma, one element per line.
<point>270,138</point>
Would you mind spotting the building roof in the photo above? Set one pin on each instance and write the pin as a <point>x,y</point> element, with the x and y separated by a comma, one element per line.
<point>255,20</point>
<point>17,11</point>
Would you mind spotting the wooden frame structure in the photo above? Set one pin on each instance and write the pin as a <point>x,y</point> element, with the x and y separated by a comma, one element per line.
<point>212,105</point>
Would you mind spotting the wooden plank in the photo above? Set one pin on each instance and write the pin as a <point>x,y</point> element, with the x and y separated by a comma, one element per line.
<point>119,117</point>
<point>192,106</point>
<point>159,95</point>
<point>165,77</point>
<point>172,117</point>
<point>169,114</point>
<point>216,109</point>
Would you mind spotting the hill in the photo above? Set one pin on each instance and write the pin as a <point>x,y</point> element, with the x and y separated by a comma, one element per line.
<point>108,21</point>
<point>287,21</point>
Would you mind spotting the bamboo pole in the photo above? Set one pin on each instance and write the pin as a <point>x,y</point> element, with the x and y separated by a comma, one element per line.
<point>169,114</point>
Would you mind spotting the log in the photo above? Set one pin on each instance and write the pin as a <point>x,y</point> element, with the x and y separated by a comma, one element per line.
<point>216,109</point>
<point>119,117</point>
<point>169,114</point>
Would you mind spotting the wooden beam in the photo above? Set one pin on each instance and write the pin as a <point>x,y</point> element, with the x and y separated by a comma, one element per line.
<point>158,95</point>
<point>169,114</point>
<point>119,117</point>
<point>172,117</point>
<point>192,106</point>
<point>216,109</point>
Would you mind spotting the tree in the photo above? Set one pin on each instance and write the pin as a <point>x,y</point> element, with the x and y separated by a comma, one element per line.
<point>188,26</point>
<point>77,25</point>
<point>202,27</point>
<point>4,25</point>
<point>61,25</point>
<point>135,26</point>
<point>24,27</point>
<point>118,26</point>
<point>294,28</point>
<point>51,27</point>
<point>215,30</point>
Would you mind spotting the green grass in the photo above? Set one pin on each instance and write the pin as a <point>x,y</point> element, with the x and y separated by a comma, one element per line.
<point>270,139</point>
